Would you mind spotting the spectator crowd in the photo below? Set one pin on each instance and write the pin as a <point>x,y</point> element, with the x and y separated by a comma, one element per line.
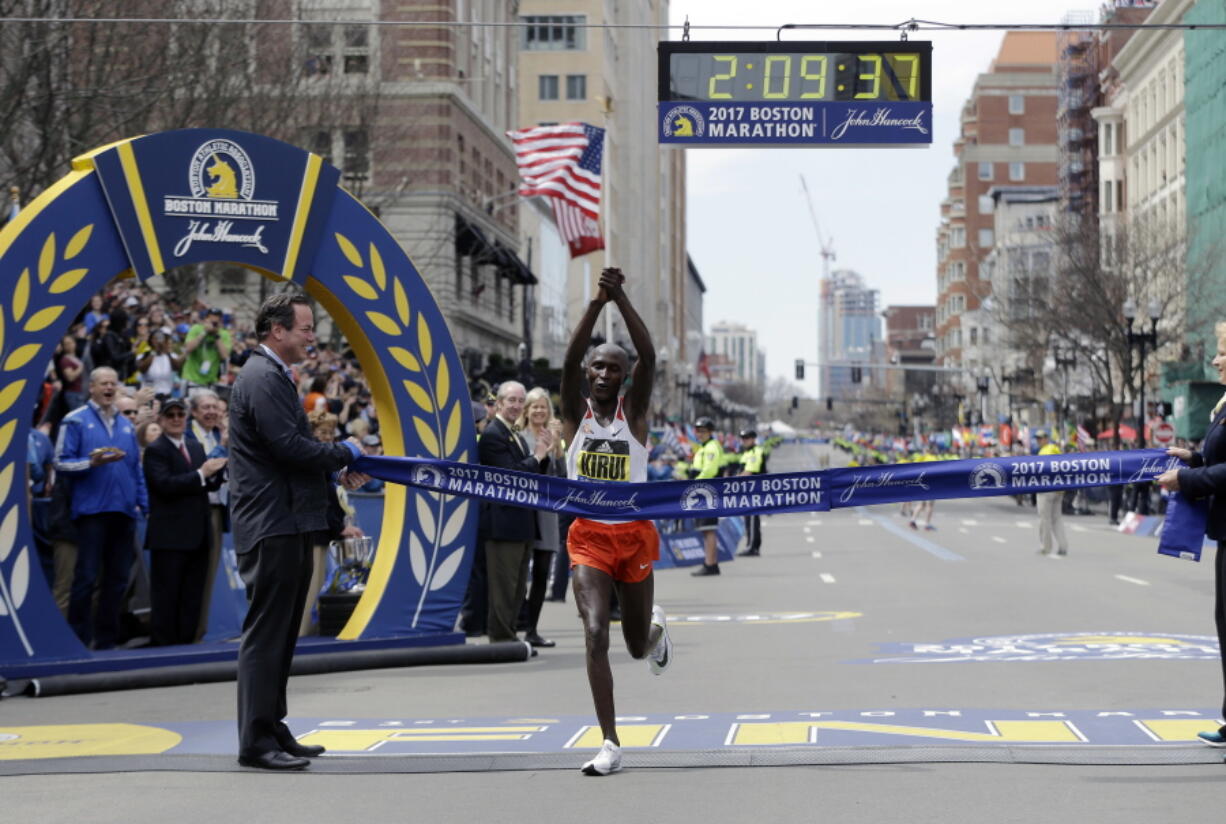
<point>128,450</point>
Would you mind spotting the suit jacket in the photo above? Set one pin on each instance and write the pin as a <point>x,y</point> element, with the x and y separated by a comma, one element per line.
<point>278,471</point>
<point>501,448</point>
<point>1207,476</point>
<point>178,501</point>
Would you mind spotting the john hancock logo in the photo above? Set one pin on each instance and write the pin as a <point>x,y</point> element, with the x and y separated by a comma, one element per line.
<point>683,121</point>
<point>221,180</point>
<point>698,497</point>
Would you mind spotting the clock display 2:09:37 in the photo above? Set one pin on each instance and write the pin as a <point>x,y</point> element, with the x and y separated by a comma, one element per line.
<point>796,76</point>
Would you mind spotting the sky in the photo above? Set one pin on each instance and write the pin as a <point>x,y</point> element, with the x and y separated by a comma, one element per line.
<point>749,229</point>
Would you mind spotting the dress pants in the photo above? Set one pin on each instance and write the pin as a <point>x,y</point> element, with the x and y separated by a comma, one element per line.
<point>106,544</point>
<point>217,520</point>
<point>1219,612</point>
<point>506,564</point>
<point>753,533</point>
<point>277,572</point>
<point>176,589</point>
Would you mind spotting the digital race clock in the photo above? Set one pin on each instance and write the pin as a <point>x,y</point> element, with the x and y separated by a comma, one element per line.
<point>794,94</point>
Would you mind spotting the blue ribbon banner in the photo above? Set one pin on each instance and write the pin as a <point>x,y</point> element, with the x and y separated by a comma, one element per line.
<point>816,491</point>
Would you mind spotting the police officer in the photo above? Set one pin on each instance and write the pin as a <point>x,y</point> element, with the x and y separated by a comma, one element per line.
<point>706,463</point>
<point>753,462</point>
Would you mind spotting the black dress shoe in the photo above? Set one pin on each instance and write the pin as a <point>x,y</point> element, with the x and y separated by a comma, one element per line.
<point>536,640</point>
<point>705,570</point>
<point>748,553</point>
<point>275,760</point>
<point>302,750</point>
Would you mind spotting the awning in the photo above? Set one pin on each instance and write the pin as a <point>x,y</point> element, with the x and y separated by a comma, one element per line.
<point>511,266</point>
<point>472,240</point>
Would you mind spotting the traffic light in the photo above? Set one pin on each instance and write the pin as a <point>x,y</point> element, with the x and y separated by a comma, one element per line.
<point>856,374</point>
<point>829,404</point>
<point>800,369</point>
<point>795,401</point>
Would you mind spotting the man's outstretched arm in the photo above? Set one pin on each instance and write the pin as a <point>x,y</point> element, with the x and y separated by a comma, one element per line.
<point>638,398</point>
<point>572,365</point>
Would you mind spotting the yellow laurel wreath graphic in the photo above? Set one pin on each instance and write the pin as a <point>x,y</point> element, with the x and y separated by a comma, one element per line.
<point>16,354</point>
<point>433,409</point>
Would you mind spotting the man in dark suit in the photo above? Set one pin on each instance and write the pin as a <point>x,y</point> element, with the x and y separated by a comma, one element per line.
<point>279,476</point>
<point>510,530</point>
<point>179,479</point>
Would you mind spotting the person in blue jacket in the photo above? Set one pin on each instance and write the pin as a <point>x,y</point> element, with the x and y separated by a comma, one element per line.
<point>97,448</point>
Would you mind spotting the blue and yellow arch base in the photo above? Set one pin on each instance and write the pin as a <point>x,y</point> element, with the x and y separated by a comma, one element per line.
<point>152,203</point>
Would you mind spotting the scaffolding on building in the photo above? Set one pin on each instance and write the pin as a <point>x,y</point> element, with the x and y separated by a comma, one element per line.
<point>1079,92</point>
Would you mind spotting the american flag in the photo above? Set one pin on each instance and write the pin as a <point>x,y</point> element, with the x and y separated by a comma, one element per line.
<point>561,161</point>
<point>581,233</point>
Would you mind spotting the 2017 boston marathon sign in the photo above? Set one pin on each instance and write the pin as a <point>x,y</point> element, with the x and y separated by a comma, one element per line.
<point>815,491</point>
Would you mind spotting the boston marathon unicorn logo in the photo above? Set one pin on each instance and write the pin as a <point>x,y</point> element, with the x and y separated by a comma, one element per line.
<point>428,476</point>
<point>683,121</point>
<point>698,497</point>
<point>225,180</point>
<point>221,169</point>
<point>988,476</point>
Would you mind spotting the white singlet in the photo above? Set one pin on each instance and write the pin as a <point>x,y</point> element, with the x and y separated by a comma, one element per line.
<point>606,454</point>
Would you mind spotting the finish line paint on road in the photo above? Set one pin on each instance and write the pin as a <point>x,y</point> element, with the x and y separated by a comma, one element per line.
<point>730,732</point>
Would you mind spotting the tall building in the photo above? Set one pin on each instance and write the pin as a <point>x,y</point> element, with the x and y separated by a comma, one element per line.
<point>1008,138</point>
<point>739,344</point>
<point>606,77</point>
<point>909,341</point>
<point>849,331</point>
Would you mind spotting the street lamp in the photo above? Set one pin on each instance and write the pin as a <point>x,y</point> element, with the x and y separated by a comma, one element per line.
<point>983,383</point>
<point>1142,340</point>
<point>683,383</point>
<point>1065,357</point>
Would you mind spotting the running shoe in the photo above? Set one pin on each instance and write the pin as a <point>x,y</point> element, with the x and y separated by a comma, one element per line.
<point>608,760</point>
<point>661,654</point>
<point>1213,739</point>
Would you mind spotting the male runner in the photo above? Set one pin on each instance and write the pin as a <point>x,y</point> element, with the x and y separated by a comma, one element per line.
<point>607,433</point>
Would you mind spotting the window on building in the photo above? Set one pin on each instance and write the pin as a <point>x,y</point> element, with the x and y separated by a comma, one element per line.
<point>957,237</point>
<point>985,238</point>
<point>328,46</point>
<point>1108,139</point>
<point>957,270</point>
<point>1017,171</point>
<point>974,335</point>
<point>553,32</point>
<point>1017,137</point>
<point>1108,197</point>
<point>985,170</point>
<point>1017,104</point>
<point>985,204</point>
<point>986,336</point>
<point>576,87</point>
<point>547,87</point>
<point>357,153</point>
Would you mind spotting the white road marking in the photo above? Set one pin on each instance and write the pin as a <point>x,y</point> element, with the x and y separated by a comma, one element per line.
<point>865,522</point>
<point>1132,580</point>
<point>1078,528</point>
<point>964,530</point>
<point>810,539</point>
<point>816,554</point>
<point>1025,524</point>
<point>813,523</point>
<point>808,529</point>
<point>969,522</point>
<point>827,578</point>
<point>999,539</point>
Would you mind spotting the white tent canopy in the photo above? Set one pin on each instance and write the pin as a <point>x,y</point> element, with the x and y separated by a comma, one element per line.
<point>782,429</point>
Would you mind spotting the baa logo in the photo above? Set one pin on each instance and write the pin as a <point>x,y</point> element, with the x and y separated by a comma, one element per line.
<point>221,169</point>
<point>988,476</point>
<point>428,476</point>
<point>697,497</point>
<point>683,121</point>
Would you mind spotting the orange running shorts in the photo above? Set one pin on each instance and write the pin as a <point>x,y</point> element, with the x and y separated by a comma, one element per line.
<point>624,551</point>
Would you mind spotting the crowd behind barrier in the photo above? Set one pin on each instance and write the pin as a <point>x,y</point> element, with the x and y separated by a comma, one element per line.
<point>131,364</point>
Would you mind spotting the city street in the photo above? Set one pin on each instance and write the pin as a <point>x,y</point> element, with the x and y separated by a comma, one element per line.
<point>850,650</point>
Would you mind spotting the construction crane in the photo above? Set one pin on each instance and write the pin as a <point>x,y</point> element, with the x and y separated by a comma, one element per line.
<point>827,246</point>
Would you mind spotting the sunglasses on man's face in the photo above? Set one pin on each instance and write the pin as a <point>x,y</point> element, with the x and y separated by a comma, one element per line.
<point>176,413</point>
<point>131,413</point>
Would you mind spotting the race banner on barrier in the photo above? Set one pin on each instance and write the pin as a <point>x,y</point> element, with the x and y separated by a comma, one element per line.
<point>815,491</point>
